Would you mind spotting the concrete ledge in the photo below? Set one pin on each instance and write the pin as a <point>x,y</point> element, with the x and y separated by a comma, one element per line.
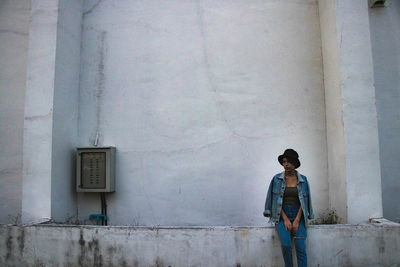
<point>66,245</point>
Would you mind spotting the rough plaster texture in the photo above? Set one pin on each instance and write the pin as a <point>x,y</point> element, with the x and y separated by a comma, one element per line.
<point>65,110</point>
<point>349,83</point>
<point>38,122</point>
<point>200,97</point>
<point>385,40</point>
<point>345,245</point>
<point>14,27</point>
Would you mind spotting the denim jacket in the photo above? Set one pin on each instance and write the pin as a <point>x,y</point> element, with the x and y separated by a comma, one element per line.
<point>273,204</point>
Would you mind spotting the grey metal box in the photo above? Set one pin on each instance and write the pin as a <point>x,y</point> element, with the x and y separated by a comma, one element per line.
<point>95,169</point>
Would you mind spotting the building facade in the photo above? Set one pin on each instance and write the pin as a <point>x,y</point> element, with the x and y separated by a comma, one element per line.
<point>199,98</point>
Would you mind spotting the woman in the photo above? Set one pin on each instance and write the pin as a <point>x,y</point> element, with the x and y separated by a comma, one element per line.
<point>289,206</point>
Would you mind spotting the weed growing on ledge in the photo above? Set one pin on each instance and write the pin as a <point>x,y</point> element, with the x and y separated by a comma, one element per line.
<point>15,219</point>
<point>328,217</point>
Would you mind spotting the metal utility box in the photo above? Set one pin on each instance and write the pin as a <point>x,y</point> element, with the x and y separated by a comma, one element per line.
<point>95,169</point>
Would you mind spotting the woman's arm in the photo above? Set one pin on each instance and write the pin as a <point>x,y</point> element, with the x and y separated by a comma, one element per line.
<point>288,224</point>
<point>268,201</point>
<point>310,209</point>
<point>295,225</point>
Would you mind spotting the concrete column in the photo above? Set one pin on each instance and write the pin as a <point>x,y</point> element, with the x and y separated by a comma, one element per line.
<point>38,121</point>
<point>353,147</point>
<point>51,111</point>
<point>385,39</point>
<point>65,111</point>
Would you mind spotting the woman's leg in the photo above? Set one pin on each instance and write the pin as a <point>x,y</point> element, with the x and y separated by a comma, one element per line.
<point>286,243</point>
<point>300,244</point>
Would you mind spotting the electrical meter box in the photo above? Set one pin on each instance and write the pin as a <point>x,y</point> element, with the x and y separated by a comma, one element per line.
<point>95,169</point>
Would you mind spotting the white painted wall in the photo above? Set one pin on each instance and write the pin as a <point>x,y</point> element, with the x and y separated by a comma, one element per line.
<point>66,110</point>
<point>14,27</point>
<point>344,245</point>
<point>385,40</point>
<point>200,97</point>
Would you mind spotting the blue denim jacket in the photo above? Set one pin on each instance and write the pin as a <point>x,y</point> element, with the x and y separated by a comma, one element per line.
<point>273,204</point>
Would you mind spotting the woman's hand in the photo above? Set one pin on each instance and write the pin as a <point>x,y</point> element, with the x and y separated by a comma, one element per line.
<point>295,226</point>
<point>288,225</point>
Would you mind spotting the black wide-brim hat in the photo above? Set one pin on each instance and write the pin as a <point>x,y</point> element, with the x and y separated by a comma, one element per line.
<point>292,157</point>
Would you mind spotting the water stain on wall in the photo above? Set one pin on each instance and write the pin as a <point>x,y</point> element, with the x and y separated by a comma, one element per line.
<point>21,240</point>
<point>9,244</point>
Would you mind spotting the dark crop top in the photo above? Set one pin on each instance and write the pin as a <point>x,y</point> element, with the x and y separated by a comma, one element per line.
<point>291,196</point>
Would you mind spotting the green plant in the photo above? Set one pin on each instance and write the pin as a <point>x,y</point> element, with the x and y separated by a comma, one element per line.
<point>15,219</point>
<point>328,217</point>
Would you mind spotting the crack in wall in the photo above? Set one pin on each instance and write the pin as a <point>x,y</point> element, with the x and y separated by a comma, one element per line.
<point>14,32</point>
<point>39,117</point>
<point>146,194</point>
<point>90,10</point>
<point>209,73</point>
<point>177,151</point>
<point>211,77</point>
<point>100,83</point>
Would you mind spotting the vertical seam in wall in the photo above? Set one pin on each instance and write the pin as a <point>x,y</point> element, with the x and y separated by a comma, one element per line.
<point>52,183</point>
<point>339,45</point>
<point>21,193</point>
<point>52,113</point>
<point>323,86</point>
<point>79,102</point>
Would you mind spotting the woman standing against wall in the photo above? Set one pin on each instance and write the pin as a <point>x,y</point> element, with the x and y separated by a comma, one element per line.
<point>289,206</point>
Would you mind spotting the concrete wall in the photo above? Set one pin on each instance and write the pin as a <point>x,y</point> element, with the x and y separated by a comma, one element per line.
<point>200,98</point>
<point>385,40</point>
<point>14,27</point>
<point>345,245</point>
<point>66,110</point>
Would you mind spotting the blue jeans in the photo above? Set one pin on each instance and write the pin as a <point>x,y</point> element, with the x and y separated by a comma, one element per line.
<point>299,238</point>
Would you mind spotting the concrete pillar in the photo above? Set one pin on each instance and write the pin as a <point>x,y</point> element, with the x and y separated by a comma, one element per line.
<point>51,111</point>
<point>38,123</point>
<point>385,39</point>
<point>65,110</point>
<point>353,147</point>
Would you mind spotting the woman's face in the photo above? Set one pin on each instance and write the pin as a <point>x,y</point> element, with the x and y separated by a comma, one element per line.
<point>287,165</point>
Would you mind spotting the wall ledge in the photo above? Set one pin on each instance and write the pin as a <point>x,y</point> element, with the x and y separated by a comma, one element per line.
<point>373,244</point>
